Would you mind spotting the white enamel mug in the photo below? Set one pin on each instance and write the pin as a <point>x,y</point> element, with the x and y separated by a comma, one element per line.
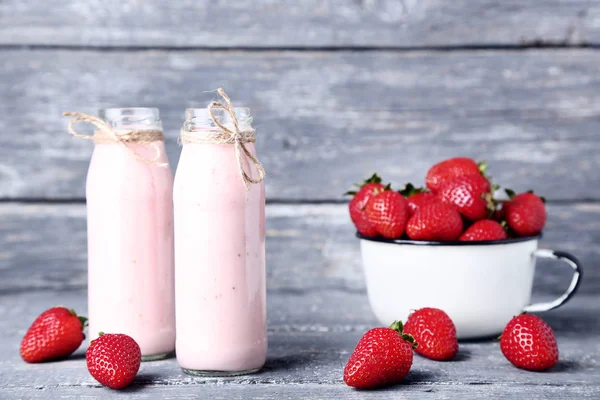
<point>480,285</point>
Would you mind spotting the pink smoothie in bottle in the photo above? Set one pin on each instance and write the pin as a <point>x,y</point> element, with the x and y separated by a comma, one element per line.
<point>219,254</point>
<point>130,237</point>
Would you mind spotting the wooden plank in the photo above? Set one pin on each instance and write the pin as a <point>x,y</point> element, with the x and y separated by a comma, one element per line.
<point>324,120</point>
<point>310,391</point>
<point>309,363</point>
<point>310,248</point>
<point>310,23</point>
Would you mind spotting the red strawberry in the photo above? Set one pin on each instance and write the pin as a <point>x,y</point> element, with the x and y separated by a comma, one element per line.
<point>498,215</point>
<point>525,214</point>
<point>113,360</point>
<point>387,212</point>
<point>382,357</point>
<point>449,169</point>
<point>357,205</point>
<point>433,329</point>
<point>529,343</point>
<point>437,221</point>
<point>471,194</point>
<point>486,229</point>
<point>417,197</point>
<point>56,333</point>
<point>419,200</point>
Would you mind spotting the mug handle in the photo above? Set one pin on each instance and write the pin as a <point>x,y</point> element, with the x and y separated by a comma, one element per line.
<point>566,296</point>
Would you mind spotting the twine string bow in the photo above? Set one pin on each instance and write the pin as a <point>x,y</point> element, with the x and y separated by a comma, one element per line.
<point>104,133</point>
<point>234,136</point>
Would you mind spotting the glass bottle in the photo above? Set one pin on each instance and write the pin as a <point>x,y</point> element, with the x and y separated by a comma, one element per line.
<point>130,235</point>
<point>219,254</point>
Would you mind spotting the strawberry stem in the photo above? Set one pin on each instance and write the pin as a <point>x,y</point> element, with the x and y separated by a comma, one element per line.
<point>373,179</point>
<point>409,189</point>
<point>410,339</point>
<point>398,326</point>
<point>483,166</point>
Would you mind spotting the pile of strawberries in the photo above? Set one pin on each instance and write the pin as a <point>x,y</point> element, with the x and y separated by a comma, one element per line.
<point>112,359</point>
<point>458,204</point>
<point>384,356</point>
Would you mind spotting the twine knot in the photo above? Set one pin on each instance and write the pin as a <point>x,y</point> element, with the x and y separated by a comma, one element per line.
<point>234,136</point>
<point>104,133</point>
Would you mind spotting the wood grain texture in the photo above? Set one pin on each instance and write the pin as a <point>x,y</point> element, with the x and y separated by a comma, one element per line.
<point>309,391</point>
<point>309,248</point>
<point>324,120</point>
<point>310,23</point>
<point>307,353</point>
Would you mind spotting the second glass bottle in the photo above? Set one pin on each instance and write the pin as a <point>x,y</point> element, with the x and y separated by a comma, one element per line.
<point>219,253</point>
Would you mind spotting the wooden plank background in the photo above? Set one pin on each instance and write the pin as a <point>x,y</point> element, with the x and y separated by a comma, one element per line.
<point>372,89</point>
<point>324,119</point>
<point>306,23</point>
<point>387,86</point>
<point>310,248</point>
<point>339,89</point>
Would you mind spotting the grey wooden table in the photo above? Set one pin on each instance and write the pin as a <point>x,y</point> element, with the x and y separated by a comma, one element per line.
<point>340,89</point>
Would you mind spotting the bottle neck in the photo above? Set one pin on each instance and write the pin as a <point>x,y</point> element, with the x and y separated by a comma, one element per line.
<point>200,120</point>
<point>134,118</point>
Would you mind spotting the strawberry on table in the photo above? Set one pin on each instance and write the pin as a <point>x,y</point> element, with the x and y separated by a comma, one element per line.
<point>387,213</point>
<point>435,332</point>
<point>525,213</point>
<point>56,333</point>
<point>529,343</point>
<point>114,360</point>
<point>437,221</point>
<point>382,357</point>
<point>358,203</point>
<point>449,169</point>
<point>486,229</point>
<point>471,194</point>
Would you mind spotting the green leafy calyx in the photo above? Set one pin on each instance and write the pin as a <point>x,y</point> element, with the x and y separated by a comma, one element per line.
<point>483,167</point>
<point>398,326</point>
<point>409,189</point>
<point>373,179</point>
<point>81,319</point>
<point>490,203</point>
<point>84,321</point>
